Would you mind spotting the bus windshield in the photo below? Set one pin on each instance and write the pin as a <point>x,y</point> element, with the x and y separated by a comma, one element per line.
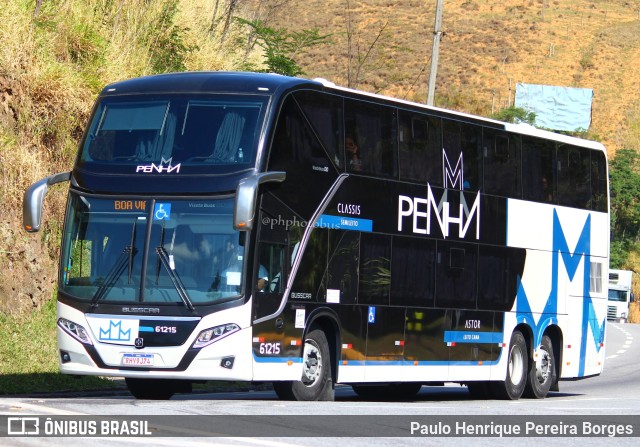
<point>617,295</point>
<point>171,133</point>
<point>193,254</point>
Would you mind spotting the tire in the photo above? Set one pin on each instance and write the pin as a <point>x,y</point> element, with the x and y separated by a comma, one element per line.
<point>542,373</point>
<point>316,382</point>
<point>390,392</point>
<point>514,384</point>
<point>156,389</point>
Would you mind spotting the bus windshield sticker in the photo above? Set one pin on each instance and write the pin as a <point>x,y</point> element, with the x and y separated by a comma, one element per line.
<point>162,211</point>
<point>372,314</point>
<point>333,296</point>
<point>233,278</point>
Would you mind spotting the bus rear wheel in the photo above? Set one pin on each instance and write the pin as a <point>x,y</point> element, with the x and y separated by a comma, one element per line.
<point>316,382</point>
<point>542,373</point>
<point>517,367</point>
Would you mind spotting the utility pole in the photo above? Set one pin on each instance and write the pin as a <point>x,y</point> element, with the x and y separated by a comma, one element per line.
<point>437,34</point>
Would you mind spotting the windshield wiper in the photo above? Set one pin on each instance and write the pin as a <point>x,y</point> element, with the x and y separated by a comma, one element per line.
<point>175,279</point>
<point>128,252</point>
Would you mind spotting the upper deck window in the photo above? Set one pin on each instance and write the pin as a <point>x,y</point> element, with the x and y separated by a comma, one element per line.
<point>176,134</point>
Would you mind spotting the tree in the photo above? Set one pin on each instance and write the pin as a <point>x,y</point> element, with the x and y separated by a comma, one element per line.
<point>359,58</point>
<point>281,45</point>
<point>624,185</point>
<point>515,114</point>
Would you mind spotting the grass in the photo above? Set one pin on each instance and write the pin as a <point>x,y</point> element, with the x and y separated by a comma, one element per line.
<point>28,356</point>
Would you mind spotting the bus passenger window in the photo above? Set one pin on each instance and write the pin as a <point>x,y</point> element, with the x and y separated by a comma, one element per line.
<point>501,154</point>
<point>574,182</point>
<point>420,142</point>
<point>598,182</point>
<point>462,164</point>
<point>538,170</point>
<point>373,127</point>
<point>324,113</point>
<point>375,268</point>
<point>354,160</point>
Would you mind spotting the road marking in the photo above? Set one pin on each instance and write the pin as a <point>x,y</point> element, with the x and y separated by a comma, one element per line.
<point>39,409</point>
<point>208,441</point>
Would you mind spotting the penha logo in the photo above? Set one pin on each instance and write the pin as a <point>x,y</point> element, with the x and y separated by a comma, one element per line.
<point>115,332</point>
<point>151,168</point>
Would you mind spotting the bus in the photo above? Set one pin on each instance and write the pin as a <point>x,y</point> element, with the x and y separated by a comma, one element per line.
<point>260,228</point>
<point>620,295</point>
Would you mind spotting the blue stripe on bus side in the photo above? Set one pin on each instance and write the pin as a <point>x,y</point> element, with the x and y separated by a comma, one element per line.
<point>472,337</point>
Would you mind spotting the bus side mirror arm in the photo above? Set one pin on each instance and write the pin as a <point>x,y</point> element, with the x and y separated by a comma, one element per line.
<point>34,198</point>
<point>245,205</point>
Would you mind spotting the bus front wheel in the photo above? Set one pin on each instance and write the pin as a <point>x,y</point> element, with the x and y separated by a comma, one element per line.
<point>517,367</point>
<point>316,382</point>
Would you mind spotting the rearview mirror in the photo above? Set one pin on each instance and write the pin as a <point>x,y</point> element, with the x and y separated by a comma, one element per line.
<point>245,205</point>
<point>34,198</point>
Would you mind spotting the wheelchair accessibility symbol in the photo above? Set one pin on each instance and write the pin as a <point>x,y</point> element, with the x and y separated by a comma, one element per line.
<point>372,314</point>
<point>162,211</point>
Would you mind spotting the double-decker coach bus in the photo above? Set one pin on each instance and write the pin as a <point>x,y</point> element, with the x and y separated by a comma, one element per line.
<point>255,227</point>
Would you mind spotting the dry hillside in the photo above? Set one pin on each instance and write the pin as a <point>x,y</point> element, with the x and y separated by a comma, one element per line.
<point>487,48</point>
<point>55,58</point>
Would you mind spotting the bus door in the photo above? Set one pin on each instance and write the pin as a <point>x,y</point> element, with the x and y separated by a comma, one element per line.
<point>276,340</point>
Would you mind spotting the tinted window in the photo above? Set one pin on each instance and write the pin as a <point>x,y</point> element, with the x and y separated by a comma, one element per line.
<point>297,151</point>
<point>310,276</point>
<point>324,112</point>
<point>574,177</point>
<point>461,158</point>
<point>172,133</point>
<point>501,153</point>
<point>538,170</point>
<point>456,265</point>
<point>343,264</point>
<point>498,272</point>
<point>420,144</point>
<point>370,138</point>
<point>375,273</point>
<point>598,181</point>
<point>413,271</point>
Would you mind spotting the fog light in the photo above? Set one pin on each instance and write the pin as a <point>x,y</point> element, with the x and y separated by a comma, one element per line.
<point>65,357</point>
<point>227,362</point>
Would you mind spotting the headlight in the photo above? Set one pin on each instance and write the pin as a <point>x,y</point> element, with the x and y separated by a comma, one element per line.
<point>214,334</point>
<point>75,330</point>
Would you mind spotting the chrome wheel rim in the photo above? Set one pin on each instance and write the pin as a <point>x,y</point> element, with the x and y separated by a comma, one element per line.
<point>312,363</point>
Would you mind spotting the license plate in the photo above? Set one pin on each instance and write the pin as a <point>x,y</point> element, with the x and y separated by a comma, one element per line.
<point>137,359</point>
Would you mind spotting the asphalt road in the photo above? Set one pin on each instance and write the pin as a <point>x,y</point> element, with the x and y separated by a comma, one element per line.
<point>612,399</point>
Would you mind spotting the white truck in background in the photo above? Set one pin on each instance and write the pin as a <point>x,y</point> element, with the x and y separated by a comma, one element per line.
<point>620,295</point>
